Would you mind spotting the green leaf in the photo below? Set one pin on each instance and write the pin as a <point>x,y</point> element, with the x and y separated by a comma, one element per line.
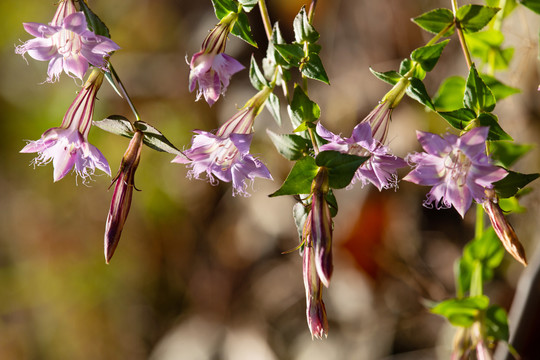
<point>332,203</point>
<point>427,56</point>
<point>256,76</point>
<point>533,5</point>
<point>291,53</point>
<point>436,21</point>
<point>390,77</point>
<point>94,22</point>
<point>473,18</point>
<point>497,323</point>
<point>499,90</point>
<point>273,57</point>
<point>248,5</point>
<point>272,104</point>
<point>487,46</point>
<point>495,130</point>
<point>462,312</point>
<point>116,124</point>
<point>314,69</point>
<point>223,8</point>
<point>487,249</point>
<point>512,183</point>
<point>299,179</point>
<point>505,154</point>
<point>406,65</point>
<point>242,29</point>
<point>291,146</point>
<point>478,96</point>
<point>300,213</point>
<point>511,205</point>
<point>154,139</point>
<point>302,109</point>
<point>450,94</point>
<point>341,167</point>
<point>417,91</point>
<point>459,119</point>
<point>303,30</point>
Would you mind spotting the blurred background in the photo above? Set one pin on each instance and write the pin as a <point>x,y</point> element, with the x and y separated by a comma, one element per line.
<point>199,274</point>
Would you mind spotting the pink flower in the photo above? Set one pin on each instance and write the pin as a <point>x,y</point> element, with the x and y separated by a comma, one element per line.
<point>67,44</point>
<point>211,68</point>
<point>67,146</point>
<point>457,168</point>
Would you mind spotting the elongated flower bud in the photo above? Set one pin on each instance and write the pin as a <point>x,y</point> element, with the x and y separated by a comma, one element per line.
<point>315,309</point>
<point>121,200</point>
<point>503,228</point>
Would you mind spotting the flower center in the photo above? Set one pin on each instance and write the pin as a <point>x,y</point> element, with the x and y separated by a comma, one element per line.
<point>67,42</point>
<point>225,154</point>
<point>457,165</point>
<point>356,149</point>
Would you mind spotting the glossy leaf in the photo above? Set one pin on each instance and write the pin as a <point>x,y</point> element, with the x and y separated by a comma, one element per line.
<point>242,29</point>
<point>497,323</point>
<point>417,91</point>
<point>314,69</point>
<point>496,132</point>
<point>341,167</point>
<point>462,312</point>
<point>473,18</point>
<point>302,109</point>
<point>478,96</point>
<point>291,53</point>
<point>272,104</point>
<point>116,124</point>
<point>406,65</point>
<point>506,153</point>
<point>248,5</point>
<point>94,22</point>
<point>533,5</point>
<point>291,146</point>
<point>459,119</point>
<point>256,76</point>
<point>427,56</point>
<point>499,90</point>
<point>436,21</point>
<point>154,139</point>
<point>300,213</point>
<point>390,77</point>
<point>299,179</point>
<point>223,8</point>
<point>512,183</point>
<point>450,94</point>
<point>303,30</point>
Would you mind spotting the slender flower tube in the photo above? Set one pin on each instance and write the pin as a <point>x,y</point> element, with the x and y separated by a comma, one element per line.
<point>225,154</point>
<point>121,200</point>
<point>211,68</point>
<point>457,168</point>
<point>381,167</point>
<point>67,146</point>
<point>503,228</point>
<point>67,44</point>
<point>315,309</point>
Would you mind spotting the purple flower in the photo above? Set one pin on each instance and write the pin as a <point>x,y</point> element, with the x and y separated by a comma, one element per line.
<point>457,168</point>
<point>211,68</point>
<point>379,169</point>
<point>67,44</point>
<point>67,146</point>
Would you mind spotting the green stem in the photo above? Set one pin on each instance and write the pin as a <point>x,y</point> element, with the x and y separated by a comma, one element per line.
<point>124,92</point>
<point>479,226</point>
<point>461,36</point>
<point>265,19</point>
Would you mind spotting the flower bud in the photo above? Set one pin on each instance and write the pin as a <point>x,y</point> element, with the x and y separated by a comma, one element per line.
<point>121,200</point>
<point>315,309</point>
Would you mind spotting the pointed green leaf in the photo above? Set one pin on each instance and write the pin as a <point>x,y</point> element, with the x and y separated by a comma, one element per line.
<point>505,153</point>
<point>499,90</point>
<point>273,57</point>
<point>302,109</point>
<point>478,96</point>
<point>223,8</point>
<point>487,249</point>
<point>390,77</point>
<point>299,179</point>
<point>487,46</point>
<point>512,183</point>
<point>154,139</point>
<point>462,312</point>
<point>116,124</point>
<point>406,65</point>
<point>341,167</point>
<point>427,56</point>
<point>272,104</point>
<point>303,30</point>
<point>473,18</point>
<point>511,205</point>
<point>292,53</point>
<point>256,76</point>
<point>450,94</point>
<point>459,119</point>
<point>291,146</point>
<point>242,29</point>
<point>497,323</point>
<point>417,91</point>
<point>300,213</point>
<point>436,21</point>
<point>94,22</point>
<point>248,5</point>
<point>332,203</point>
<point>533,5</point>
<point>495,130</point>
<point>314,69</point>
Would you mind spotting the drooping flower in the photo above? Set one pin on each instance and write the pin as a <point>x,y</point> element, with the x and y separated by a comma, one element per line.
<point>315,309</point>
<point>457,168</point>
<point>67,44</point>
<point>380,169</point>
<point>123,191</point>
<point>211,68</point>
<point>67,146</point>
<point>225,154</point>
